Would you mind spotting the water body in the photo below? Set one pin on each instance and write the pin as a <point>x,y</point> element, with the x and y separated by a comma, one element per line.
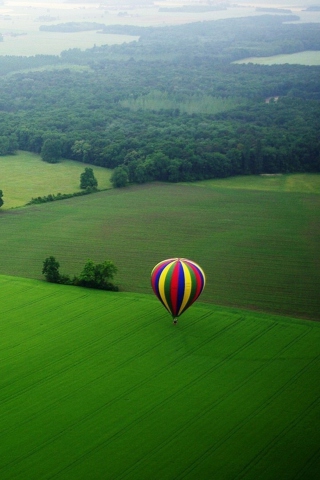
<point>20,21</point>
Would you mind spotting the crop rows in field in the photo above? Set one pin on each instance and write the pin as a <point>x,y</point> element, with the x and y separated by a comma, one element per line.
<point>102,385</point>
<point>259,249</point>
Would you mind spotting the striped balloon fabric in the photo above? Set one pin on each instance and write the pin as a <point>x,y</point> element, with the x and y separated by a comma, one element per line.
<point>177,282</point>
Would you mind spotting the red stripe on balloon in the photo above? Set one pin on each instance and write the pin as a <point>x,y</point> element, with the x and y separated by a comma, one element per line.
<point>199,281</point>
<point>175,288</point>
<point>155,278</point>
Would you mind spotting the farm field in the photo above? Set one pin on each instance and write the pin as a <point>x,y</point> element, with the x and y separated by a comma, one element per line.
<point>301,58</point>
<point>50,43</point>
<point>25,176</point>
<point>259,249</point>
<point>101,385</point>
<point>299,183</point>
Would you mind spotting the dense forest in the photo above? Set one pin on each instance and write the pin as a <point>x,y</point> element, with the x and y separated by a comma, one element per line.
<point>171,106</point>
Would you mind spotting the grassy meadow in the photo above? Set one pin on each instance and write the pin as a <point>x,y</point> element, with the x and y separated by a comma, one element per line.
<point>301,58</point>
<point>294,183</point>
<point>25,175</point>
<point>259,248</point>
<point>52,43</point>
<point>101,385</point>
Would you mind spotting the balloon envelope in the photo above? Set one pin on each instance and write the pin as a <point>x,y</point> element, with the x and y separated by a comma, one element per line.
<point>177,282</point>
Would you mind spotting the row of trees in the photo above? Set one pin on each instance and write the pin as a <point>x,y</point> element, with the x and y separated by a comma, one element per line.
<point>93,275</point>
<point>171,146</point>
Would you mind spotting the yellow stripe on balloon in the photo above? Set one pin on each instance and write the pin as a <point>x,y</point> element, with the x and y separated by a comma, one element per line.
<point>161,285</point>
<point>187,287</point>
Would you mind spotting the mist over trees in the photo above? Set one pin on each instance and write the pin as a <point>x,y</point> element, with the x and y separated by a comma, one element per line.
<point>171,106</point>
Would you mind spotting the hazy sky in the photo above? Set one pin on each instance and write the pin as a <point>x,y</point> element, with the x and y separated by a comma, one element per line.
<point>20,20</point>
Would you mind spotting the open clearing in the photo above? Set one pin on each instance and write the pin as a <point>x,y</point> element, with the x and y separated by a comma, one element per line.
<point>25,176</point>
<point>301,58</point>
<point>299,183</point>
<point>51,43</point>
<point>100,385</point>
<point>259,249</point>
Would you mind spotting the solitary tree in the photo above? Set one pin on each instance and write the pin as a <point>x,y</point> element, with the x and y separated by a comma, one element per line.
<point>4,145</point>
<point>51,270</point>
<point>87,179</point>
<point>119,177</point>
<point>1,201</point>
<point>51,150</point>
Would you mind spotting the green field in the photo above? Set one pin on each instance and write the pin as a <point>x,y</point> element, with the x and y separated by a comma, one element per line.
<point>100,385</point>
<point>301,58</point>
<point>298,183</point>
<point>25,175</point>
<point>51,43</point>
<point>259,249</point>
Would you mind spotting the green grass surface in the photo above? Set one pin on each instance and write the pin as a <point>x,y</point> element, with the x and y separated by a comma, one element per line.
<point>259,249</point>
<point>298,182</point>
<point>53,43</point>
<point>60,66</point>
<point>301,58</point>
<point>25,175</point>
<point>100,385</point>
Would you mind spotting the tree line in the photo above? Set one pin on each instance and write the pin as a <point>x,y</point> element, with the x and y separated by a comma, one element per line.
<point>93,275</point>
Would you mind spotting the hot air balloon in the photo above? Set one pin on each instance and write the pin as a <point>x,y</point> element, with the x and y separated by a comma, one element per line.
<point>177,282</point>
